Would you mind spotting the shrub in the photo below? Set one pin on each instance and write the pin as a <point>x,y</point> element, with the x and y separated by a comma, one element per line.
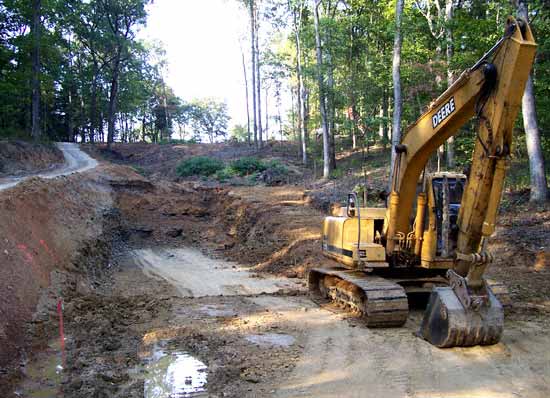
<point>248,165</point>
<point>224,174</point>
<point>277,167</point>
<point>199,166</point>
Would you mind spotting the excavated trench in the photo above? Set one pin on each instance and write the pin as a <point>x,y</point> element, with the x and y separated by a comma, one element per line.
<point>152,308</point>
<point>129,313</point>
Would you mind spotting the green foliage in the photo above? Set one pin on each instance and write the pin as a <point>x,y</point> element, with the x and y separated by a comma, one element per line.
<point>337,173</point>
<point>239,133</point>
<point>209,117</point>
<point>199,166</point>
<point>277,168</point>
<point>248,165</point>
<point>225,174</point>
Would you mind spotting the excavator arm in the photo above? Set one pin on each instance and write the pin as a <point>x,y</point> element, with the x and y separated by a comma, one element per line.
<point>466,313</point>
<point>492,91</point>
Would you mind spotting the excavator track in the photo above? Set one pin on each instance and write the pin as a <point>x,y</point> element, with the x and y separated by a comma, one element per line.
<point>380,302</point>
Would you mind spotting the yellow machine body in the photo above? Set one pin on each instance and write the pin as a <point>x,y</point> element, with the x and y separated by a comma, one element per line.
<point>340,231</point>
<point>340,238</point>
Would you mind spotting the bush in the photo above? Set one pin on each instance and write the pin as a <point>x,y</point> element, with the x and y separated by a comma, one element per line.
<point>247,166</point>
<point>224,174</point>
<point>199,166</point>
<point>277,167</point>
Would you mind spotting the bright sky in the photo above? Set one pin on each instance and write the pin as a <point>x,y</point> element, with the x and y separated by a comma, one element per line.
<point>201,39</point>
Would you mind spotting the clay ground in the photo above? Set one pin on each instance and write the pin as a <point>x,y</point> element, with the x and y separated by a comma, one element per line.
<point>217,272</point>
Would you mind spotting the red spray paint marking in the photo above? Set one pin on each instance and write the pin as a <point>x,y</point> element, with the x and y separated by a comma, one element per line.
<point>61,331</point>
<point>25,251</point>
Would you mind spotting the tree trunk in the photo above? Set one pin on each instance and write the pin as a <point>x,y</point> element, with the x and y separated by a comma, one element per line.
<point>539,188</point>
<point>143,121</point>
<point>258,80</point>
<point>82,121</point>
<point>266,116</point>
<point>329,97</point>
<point>93,98</point>
<point>111,117</point>
<point>396,74</point>
<point>301,89</point>
<point>449,55</point>
<point>331,111</point>
<point>253,57</point>
<point>36,28</point>
<point>322,109</point>
<point>165,133</point>
<point>247,106</point>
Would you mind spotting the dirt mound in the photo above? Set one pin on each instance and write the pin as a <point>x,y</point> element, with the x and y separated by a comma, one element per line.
<point>21,157</point>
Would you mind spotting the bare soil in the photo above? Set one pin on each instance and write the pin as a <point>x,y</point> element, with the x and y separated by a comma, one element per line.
<point>22,157</point>
<point>130,280</point>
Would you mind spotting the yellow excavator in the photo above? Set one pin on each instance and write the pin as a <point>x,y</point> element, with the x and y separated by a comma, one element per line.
<point>432,236</point>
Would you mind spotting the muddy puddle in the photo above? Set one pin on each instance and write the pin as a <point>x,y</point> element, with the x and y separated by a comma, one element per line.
<point>43,374</point>
<point>169,373</point>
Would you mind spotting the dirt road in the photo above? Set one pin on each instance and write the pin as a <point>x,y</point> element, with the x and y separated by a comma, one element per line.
<point>75,161</point>
<point>343,358</point>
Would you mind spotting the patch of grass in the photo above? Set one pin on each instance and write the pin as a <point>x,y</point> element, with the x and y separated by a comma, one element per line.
<point>199,166</point>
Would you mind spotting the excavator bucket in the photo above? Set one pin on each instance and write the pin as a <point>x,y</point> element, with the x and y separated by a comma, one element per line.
<point>447,323</point>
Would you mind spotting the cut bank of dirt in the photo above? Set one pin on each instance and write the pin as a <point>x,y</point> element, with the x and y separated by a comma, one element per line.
<point>22,157</point>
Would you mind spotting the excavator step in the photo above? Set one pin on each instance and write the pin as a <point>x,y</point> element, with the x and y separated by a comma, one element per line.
<point>380,302</point>
<point>447,323</point>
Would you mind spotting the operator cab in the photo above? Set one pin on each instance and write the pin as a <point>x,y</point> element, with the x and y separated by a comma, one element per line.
<point>444,193</point>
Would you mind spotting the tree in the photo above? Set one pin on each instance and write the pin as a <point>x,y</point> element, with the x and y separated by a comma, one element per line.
<point>539,189</point>
<point>36,29</point>
<point>322,99</point>
<point>210,118</point>
<point>246,97</point>
<point>258,76</point>
<point>397,101</point>
<point>121,16</point>
<point>297,13</point>
<point>252,13</point>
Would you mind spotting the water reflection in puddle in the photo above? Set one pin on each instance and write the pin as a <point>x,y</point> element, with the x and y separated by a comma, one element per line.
<point>171,374</point>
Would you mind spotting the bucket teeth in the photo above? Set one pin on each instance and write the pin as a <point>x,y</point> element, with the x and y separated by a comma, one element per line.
<point>447,323</point>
